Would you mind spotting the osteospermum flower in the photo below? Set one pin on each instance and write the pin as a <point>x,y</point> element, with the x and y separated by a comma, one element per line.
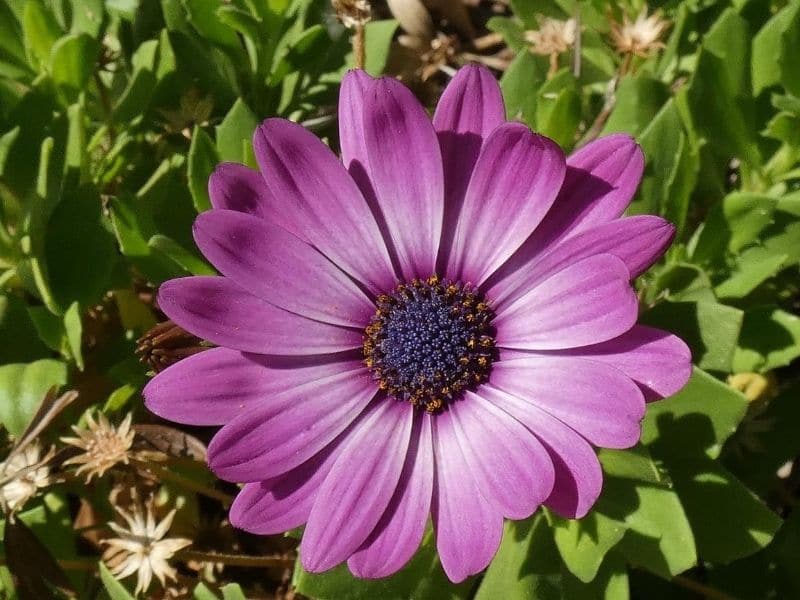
<point>102,445</point>
<point>141,548</point>
<point>440,324</point>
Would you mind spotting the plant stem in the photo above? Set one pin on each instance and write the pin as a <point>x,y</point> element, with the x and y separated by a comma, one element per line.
<point>701,588</point>
<point>172,477</point>
<point>359,47</point>
<point>237,560</point>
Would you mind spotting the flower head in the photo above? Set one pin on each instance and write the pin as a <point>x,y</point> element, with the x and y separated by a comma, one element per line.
<point>103,445</point>
<point>640,37</point>
<point>552,37</point>
<point>439,324</point>
<point>24,473</point>
<point>142,549</point>
<point>352,13</point>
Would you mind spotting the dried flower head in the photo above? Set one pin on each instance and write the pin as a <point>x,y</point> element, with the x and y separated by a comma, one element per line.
<point>23,474</point>
<point>103,445</point>
<point>165,344</point>
<point>442,51</point>
<point>553,36</point>
<point>640,37</point>
<point>142,549</point>
<point>352,13</point>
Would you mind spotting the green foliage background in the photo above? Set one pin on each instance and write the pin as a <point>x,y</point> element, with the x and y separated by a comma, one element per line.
<point>113,114</point>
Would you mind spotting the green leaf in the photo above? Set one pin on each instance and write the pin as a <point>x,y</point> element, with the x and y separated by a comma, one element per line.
<point>203,158</point>
<point>611,582</point>
<point>682,282</point>
<point>775,50</point>
<point>752,268</point>
<point>87,17</point>
<point>710,329</point>
<point>558,108</point>
<point>74,332</point>
<point>17,327</point>
<point>770,339</point>
<point>421,579</point>
<point>23,387</point>
<point>526,566</point>
<point>232,591</point>
<point>732,224</point>
<point>671,168</point>
<point>634,463</point>
<point>659,537</point>
<point>186,260</point>
<point>519,84</point>
<point>378,37</point>
<point>728,521</point>
<point>639,99</point>
<point>41,32</point>
<point>697,420</point>
<point>72,62</point>
<point>584,543</point>
<point>237,127</point>
<point>79,251</point>
<point>201,592</point>
<point>202,14</point>
<point>115,589</point>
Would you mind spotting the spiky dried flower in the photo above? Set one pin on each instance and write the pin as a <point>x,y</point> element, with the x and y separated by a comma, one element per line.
<point>24,473</point>
<point>142,549</point>
<point>103,445</point>
<point>165,344</point>
<point>352,13</point>
<point>640,37</point>
<point>552,37</point>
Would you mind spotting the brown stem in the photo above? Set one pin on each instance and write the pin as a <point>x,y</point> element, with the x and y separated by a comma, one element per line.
<point>105,100</point>
<point>701,588</point>
<point>359,47</point>
<point>188,484</point>
<point>553,65</point>
<point>236,560</point>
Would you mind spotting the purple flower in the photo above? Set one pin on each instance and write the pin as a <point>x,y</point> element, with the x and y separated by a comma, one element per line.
<point>444,326</point>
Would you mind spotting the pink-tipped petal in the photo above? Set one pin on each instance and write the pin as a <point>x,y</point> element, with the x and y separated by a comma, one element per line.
<point>661,363</point>
<point>277,505</point>
<point>515,181</point>
<point>359,487</point>
<point>275,265</point>
<point>578,476</point>
<point>405,170</point>
<point>292,427</point>
<point>596,400</point>
<point>468,527</point>
<point>317,200</point>
<point>511,467</point>
<point>220,384</point>
<point>236,187</point>
<point>638,241</point>
<point>398,534</point>
<point>470,108</point>
<point>588,302</point>
<point>217,310</point>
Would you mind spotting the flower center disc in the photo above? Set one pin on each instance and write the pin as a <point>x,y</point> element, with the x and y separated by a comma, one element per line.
<point>429,341</point>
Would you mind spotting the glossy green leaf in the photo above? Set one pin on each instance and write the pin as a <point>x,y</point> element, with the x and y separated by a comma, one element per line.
<point>584,543</point>
<point>775,50</point>
<point>115,589</point>
<point>202,160</point>
<point>23,387</point>
<point>770,339</point>
<point>72,61</point>
<point>237,127</point>
<point>695,421</point>
<point>41,31</point>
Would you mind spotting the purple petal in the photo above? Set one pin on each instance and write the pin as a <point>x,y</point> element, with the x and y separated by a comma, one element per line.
<point>600,182</point>
<point>216,386</point>
<point>293,426</point>
<point>578,476</point>
<point>470,108</point>
<point>511,467</point>
<point>398,534</point>
<point>318,201</point>
<point>468,528</point>
<point>588,302</point>
<point>659,362</point>
<point>236,187</point>
<point>356,84</point>
<point>275,265</point>
<point>514,183</point>
<point>283,503</point>
<point>596,400</point>
<point>217,310</point>
<point>404,165</point>
<point>637,241</point>
<point>359,487</point>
